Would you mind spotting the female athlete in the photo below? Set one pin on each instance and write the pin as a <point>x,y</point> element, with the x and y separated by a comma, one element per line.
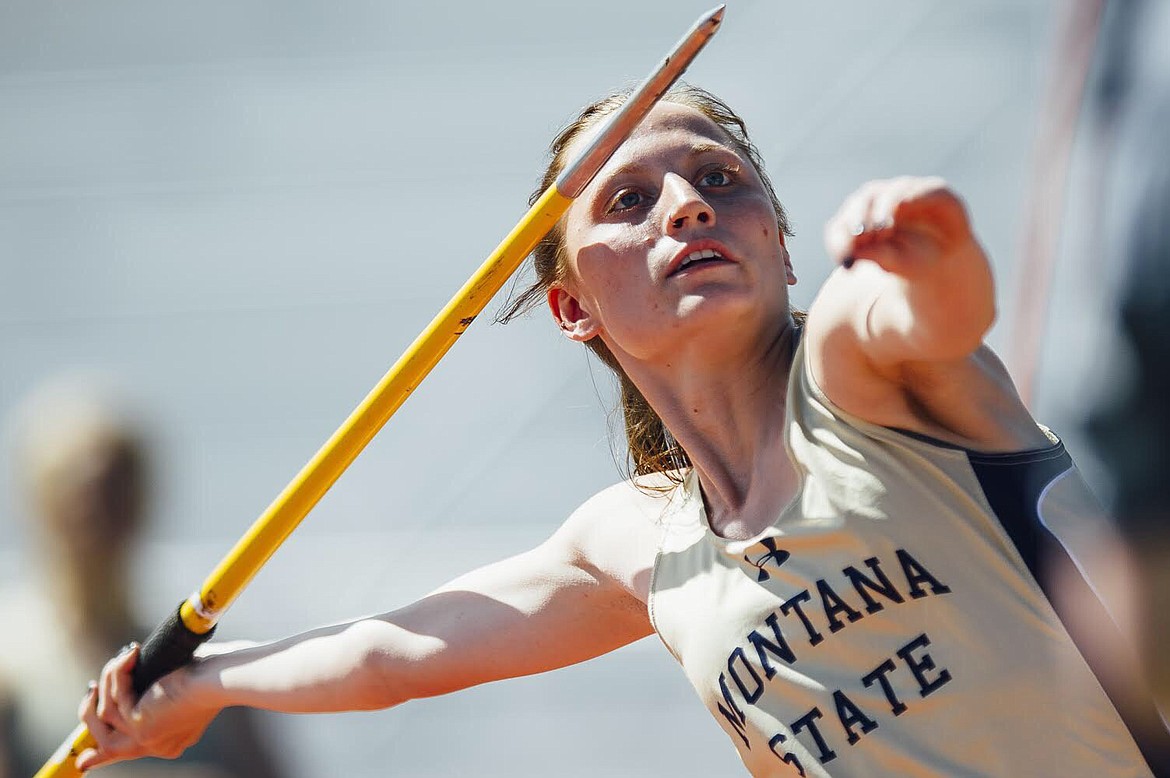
<point>834,525</point>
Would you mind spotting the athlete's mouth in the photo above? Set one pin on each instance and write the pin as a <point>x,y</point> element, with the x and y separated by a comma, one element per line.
<point>698,258</point>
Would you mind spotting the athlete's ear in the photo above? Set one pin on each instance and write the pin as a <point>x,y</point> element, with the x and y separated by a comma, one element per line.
<point>575,321</point>
<point>788,271</point>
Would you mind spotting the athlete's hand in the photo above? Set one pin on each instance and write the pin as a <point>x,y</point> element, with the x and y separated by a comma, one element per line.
<point>164,722</point>
<point>906,225</point>
<point>921,290</point>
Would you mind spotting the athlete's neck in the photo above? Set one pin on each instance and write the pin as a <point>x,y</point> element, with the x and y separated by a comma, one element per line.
<point>728,413</point>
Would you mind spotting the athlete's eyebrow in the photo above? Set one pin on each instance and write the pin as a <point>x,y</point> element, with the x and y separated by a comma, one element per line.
<point>707,148</point>
<point>637,168</point>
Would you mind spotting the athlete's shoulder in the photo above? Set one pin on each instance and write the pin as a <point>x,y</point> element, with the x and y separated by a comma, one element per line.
<point>644,497</point>
<point>616,532</point>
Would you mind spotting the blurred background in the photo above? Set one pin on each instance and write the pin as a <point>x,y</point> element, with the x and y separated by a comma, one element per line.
<point>235,216</point>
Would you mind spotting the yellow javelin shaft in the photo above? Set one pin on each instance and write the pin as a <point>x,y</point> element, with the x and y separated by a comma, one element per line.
<point>198,615</point>
<point>285,512</point>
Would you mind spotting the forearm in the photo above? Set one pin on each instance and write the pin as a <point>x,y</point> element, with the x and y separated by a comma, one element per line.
<point>340,668</point>
<point>942,311</point>
<point>527,614</point>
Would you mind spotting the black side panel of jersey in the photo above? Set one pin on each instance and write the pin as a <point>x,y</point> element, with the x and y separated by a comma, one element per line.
<point>1013,485</point>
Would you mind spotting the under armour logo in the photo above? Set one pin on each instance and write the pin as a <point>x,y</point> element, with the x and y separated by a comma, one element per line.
<point>778,555</point>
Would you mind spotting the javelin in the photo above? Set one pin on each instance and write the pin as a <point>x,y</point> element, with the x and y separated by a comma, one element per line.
<point>173,642</point>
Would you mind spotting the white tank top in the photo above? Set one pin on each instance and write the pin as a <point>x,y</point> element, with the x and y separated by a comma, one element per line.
<point>887,623</point>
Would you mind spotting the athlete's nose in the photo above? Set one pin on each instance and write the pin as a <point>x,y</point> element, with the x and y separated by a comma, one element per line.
<point>684,206</point>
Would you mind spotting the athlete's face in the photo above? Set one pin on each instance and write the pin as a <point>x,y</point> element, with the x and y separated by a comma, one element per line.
<point>675,233</point>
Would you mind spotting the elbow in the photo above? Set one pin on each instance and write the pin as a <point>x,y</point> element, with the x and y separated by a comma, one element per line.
<point>379,661</point>
<point>958,328</point>
<point>980,318</point>
<point>987,317</point>
<point>956,341</point>
<point>976,310</point>
<point>961,308</point>
<point>969,333</point>
<point>944,333</point>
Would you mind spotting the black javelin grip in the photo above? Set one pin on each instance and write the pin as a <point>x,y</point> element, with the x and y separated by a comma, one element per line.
<point>168,648</point>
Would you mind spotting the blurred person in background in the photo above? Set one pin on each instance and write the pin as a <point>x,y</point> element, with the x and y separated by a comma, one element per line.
<point>83,469</point>
<point>1129,118</point>
<point>1100,211</point>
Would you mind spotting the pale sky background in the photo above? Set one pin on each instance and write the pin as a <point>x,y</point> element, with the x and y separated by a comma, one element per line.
<point>243,213</point>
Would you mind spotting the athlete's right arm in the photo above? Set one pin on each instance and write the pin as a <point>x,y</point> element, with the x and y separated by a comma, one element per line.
<point>560,603</point>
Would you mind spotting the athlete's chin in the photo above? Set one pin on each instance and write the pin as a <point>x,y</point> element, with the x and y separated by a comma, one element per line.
<point>731,305</point>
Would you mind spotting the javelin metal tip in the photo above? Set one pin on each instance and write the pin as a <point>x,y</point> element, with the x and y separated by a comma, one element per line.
<point>577,174</point>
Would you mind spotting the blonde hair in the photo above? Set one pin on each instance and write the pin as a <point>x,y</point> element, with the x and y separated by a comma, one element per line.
<point>652,449</point>
<point>79,457</point>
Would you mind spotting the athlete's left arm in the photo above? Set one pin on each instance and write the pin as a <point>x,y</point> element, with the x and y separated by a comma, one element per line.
<point>916,281</point>
<point>903,316</point>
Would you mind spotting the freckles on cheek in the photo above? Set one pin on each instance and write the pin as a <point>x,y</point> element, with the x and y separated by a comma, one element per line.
<point>766,219</point>
<point>770,232</point>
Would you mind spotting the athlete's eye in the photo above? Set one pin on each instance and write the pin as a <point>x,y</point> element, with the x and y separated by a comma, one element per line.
<point>716,178</point>
<point>627,199</point>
